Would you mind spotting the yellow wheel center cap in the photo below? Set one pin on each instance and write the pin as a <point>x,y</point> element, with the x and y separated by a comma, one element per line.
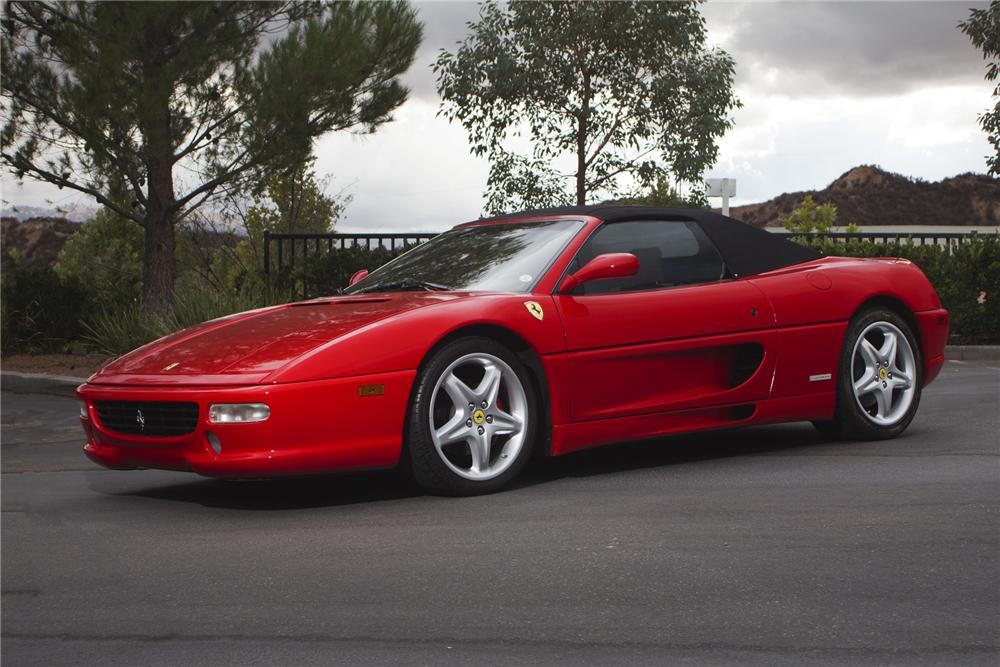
<point>881,373</point>
<point>479,416</point>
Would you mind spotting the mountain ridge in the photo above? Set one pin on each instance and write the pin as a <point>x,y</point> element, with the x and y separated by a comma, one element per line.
<point>870,195</point>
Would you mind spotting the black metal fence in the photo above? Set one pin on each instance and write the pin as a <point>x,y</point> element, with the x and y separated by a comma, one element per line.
<point>917,238</point>
<point>289,247</point>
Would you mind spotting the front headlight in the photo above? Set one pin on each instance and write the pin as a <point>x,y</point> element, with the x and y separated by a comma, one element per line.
<point>83,410</point>
<point>238,413</point>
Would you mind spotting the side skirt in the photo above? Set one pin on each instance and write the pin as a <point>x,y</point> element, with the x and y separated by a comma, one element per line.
<point>581,435</point>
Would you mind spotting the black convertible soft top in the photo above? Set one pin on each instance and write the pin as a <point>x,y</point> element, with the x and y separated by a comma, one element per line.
<point>747,250</point>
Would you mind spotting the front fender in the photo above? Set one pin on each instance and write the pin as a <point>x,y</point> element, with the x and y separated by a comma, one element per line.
<point>401,342</point>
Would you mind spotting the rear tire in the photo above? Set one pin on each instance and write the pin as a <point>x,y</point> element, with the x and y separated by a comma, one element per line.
<point>473,419</point>
<point>879,379</point>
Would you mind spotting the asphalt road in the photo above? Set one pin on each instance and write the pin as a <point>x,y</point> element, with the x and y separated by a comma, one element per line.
<point>764,546</point>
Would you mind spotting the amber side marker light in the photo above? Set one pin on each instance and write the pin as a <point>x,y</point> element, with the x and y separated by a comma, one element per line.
<point>238,413</point>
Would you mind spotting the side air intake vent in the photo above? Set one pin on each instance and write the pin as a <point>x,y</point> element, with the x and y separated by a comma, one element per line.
<point>746,360</point>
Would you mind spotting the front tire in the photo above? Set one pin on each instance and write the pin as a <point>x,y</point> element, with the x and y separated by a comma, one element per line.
<point>473,419</point>
<point>879,378</point>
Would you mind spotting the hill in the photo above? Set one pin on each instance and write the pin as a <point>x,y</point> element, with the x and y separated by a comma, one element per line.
<point>868,195</point>
<point>73,212</point>
<point>37,241</point>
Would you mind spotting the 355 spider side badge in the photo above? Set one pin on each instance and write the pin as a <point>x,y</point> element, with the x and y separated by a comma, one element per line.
<point>541,332</point>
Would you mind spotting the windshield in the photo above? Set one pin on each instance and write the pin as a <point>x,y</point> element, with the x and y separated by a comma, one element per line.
<point>499,257</point>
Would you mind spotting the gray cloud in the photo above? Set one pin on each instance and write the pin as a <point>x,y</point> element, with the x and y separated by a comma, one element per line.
<point>824,48</point>
<point>852,48</point>
<point>444,26</point>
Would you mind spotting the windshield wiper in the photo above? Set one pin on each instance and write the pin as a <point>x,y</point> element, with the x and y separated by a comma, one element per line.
<point>405,285</point>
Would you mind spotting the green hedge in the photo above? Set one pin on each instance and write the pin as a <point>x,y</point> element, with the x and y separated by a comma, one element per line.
<point>966,277</point>
<point>41,311</point>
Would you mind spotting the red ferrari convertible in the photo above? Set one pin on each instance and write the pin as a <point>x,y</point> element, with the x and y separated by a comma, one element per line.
<point>541,332</point>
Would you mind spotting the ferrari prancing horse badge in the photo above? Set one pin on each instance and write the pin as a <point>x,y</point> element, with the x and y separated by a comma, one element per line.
<point>535,309</point>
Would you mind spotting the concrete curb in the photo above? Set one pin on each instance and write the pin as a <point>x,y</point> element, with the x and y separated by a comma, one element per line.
<point>39,383</point>
<point>972,352</point>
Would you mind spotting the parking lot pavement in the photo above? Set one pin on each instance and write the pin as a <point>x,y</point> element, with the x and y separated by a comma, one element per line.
<point>762,546</point>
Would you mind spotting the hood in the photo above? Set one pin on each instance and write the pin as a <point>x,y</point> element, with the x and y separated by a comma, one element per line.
<point>245,348</point>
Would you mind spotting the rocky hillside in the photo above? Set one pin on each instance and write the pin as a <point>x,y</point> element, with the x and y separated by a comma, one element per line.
<point>37,240</point>
<point>868,195</point>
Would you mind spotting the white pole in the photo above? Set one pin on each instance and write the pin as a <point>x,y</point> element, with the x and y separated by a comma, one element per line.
<point>721,187</point>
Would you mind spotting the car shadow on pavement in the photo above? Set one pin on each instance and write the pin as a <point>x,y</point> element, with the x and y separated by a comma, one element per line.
<point>286,493</point>
<point>677,450</point>
<point>367,487</point>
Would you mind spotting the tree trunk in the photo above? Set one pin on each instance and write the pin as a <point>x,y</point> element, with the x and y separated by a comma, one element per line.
<point>582,130</point>
<point>581,161</point>
<point>159,266</point>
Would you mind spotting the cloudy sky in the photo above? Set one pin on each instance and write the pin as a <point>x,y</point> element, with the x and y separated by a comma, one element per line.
<point>825,86</point>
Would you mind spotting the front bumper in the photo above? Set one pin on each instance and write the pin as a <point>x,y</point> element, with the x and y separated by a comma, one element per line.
<point>320,426</point>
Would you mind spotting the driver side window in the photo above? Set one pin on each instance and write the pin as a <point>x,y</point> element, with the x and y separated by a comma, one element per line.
<point>670,253</point>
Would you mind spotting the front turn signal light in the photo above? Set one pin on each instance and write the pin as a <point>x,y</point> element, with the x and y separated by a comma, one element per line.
<point>238,413</point>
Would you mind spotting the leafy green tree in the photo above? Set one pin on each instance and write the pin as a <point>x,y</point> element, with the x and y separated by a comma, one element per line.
<point>983,28</point>
<point>294,201</point>
<point>662,193</point>
<point>609,94</point>
<point>164,105</point>
<point>105,256</point>
<point>810,217</point>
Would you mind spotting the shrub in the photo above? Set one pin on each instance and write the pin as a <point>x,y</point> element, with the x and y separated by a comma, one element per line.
<point>41,310</point>
<point>327,274</point>
<point>106,258</point>
<point>194,303</point>
<point>121,330</point>
<point>810,217</point>
<point>117,330</point>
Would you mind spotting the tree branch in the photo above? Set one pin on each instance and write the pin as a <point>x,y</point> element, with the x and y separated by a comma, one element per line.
<point>60,181</point>
<point>607,138</point>
<point>228,174</point>
<point>35,106</point>
<point>625,167</point>
<point>193,144</point>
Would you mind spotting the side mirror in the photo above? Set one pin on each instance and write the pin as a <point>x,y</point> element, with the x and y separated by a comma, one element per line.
<point>602,267</point>
<point>358,275</point>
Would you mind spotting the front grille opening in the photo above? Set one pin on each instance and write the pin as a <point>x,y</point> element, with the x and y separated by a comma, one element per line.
<point>152,418</point>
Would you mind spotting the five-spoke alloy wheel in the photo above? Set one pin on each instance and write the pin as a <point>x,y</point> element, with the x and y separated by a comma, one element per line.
<point>880,376</point>
<point>472,418</point>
